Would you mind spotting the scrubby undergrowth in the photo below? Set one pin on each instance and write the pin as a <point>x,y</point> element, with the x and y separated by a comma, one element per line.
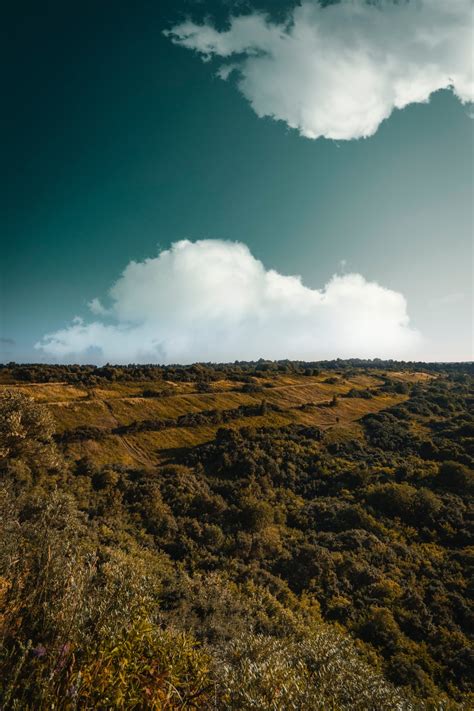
<point>269,569</point>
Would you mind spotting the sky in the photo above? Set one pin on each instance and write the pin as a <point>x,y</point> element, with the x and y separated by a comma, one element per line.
<point>196,180</point>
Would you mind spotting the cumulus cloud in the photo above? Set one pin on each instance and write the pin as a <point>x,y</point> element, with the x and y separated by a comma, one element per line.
<point>212,300</point>
<point>338,71</point>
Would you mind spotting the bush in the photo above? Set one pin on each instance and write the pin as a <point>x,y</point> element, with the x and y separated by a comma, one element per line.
<point>315,672</point>
<point>456,476</point>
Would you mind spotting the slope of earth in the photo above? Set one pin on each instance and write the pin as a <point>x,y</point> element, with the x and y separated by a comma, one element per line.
<point>92,421</point>
<point>266,494</point>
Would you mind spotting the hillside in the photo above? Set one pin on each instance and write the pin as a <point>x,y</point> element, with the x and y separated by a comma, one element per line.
<point>141,424</point>
<point>273,535</point>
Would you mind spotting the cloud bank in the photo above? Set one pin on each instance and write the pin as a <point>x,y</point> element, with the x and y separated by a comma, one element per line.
<point>339,71</point>
<point>212,300</point>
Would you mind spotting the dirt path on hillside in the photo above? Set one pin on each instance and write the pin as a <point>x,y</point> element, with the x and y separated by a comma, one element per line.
<point>133,450</point>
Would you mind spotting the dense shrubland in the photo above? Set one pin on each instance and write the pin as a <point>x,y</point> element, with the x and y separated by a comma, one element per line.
<point>208,372</point>
<point>270,568</point>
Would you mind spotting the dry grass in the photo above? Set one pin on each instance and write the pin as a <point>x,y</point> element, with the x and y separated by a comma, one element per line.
<point>51,392</point>
<point>412,377</point>
<point>118,404</point>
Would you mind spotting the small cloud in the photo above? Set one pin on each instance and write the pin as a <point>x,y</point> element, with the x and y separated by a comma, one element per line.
<point>96,307</point>
<point>226,70</point>
<point>338,70</point>
<point>212,300</point>
<point>7,342</point>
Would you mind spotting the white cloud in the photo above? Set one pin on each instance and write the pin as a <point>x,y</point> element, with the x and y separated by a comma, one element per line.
<point>211,300</point>
<point>96,308</point>
<point>339,71</point>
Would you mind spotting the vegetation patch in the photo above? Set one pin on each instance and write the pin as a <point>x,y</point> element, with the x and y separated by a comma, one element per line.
<point>270,554</point>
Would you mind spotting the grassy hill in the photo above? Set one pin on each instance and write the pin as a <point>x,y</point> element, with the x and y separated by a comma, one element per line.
<point>269,535</point>
<point>295,399</point>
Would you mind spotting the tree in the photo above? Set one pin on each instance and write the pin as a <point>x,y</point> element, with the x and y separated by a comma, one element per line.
<point>26,430</point>
<point>257,515</point>
<point>456,476</point>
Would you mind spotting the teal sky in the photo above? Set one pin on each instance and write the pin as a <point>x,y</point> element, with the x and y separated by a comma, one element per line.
<point>119,143</point>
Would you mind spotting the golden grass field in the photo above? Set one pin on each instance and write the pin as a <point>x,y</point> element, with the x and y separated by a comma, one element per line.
<point>116,404</point>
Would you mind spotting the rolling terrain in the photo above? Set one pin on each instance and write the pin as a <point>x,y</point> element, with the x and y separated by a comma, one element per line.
<point>113,407</point>
<point>259,535</point>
